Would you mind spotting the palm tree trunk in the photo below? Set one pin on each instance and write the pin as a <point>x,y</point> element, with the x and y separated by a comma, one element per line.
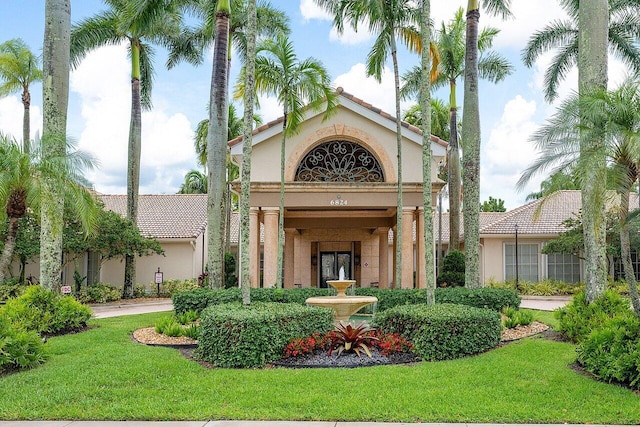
<point>245,205</point>
<point>55,95</point>
<point>9,246</point>
<point>454,173</point>
<point>592,74</point>
<point>425,104</point>
<point>280,263</point>
<point>471,152</point>
<point>217,144</point>
<point>625,252</point>
<point>133,166</point>
<point>26,121</point>
<point>398,235</point>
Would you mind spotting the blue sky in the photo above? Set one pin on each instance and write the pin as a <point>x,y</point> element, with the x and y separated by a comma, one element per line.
<point>100,94</point>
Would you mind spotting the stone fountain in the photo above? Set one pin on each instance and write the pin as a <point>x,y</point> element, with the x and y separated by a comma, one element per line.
<point>343,305</point>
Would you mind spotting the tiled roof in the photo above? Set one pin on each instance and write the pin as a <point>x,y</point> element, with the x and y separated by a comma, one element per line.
<point>539,217</point>
<point>357,100</point>
<point>165,216</point>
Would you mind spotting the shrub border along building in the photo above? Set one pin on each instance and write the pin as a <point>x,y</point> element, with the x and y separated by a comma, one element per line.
<point>235,336</point>
<point>443,331</point>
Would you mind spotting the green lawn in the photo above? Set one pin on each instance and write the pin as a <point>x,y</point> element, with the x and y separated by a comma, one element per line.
<point>103,374</point>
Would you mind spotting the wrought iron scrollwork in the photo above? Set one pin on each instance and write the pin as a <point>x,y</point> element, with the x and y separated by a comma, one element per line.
<point>339,161</point>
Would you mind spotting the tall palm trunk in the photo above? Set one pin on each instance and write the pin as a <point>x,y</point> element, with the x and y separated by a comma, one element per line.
<point>9,246</point>
<point>592,74</point>
<point>133,166</point>
<point>454,172</point>
<point>398,235</point>
<point>55,95</point>
<point>625,251</point>
<point>471,153</point>
<point>425,104</point>
<point>26,120</point>
<point>280,263</point>
<point>245,205</point>
<point>217,145</point>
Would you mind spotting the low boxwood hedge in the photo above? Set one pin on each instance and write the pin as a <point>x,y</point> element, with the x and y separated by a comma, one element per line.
<point>19,349</point>
<point>234,336</point>
<point>495,299</point>
<point>443,331</point>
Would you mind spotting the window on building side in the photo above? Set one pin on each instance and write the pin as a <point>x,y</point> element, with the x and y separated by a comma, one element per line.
<point>563,267</point>
<point>527,262</point>
<point>93,268</point>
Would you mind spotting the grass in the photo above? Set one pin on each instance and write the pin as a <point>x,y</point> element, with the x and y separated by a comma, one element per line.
<point>103,374</point>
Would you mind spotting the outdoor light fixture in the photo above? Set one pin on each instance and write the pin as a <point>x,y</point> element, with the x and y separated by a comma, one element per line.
<point>356,260</point>
<point>314,260</point>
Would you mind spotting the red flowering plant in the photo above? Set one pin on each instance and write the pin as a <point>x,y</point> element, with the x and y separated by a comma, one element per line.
<point>345,339</point>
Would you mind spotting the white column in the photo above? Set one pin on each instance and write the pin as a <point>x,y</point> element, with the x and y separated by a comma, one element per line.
<point>407,248</point>
<point>254,247</point>
<point>289,257</point>
<point>383,258</point>
<point>270,246</point>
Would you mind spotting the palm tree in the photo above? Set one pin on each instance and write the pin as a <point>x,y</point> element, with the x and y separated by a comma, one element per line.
<point>23,179</point>
<point>558,181</point>
<point>562,37</point>
<point>195,182</point>
<point>439,117</point>
<point>217,144</point>
<point>19,67</point>
<point>390,20</point>
<point>245,181</point>
<point>55,95</point>
<point>471,138</point>
<point>425,106</point>
<point>616,112</point>
<point>492,66</point>
<point>136,23</point>
<point>294,83</point>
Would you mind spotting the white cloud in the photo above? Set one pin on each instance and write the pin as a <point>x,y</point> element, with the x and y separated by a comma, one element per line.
<point>103,85</point>
<point>310,10</point>
<point>11,115</point>
<point>508,152</point>
<point>381,95</point>
<point>351,37</point>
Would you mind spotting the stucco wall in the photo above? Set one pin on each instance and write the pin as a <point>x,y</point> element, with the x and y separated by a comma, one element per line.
<point>344,125</point>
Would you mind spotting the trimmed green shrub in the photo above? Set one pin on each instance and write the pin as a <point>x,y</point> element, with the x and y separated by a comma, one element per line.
<point>98,293</point>
<point>443,331</point>
<point>11,288</point>
<point>19,349</point>
<point>46,312</point>
<point>235,336</point>
<point>495,299</point>
<point>578,318</point>
<point>452,270</point>
<point>612,351</point>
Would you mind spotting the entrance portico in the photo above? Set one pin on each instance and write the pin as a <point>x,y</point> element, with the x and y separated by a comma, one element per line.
<point>340,199</point>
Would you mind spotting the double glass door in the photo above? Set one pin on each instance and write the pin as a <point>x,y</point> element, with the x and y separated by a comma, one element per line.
<point>330,263</point>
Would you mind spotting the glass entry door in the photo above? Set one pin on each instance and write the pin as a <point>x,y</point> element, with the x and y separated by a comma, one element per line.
<point>330,263</point>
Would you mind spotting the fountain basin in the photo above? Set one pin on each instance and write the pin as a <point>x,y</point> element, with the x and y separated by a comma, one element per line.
<point>341,286</point>
<point>343,306</point>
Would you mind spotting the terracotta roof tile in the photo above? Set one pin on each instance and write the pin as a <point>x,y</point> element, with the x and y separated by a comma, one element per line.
<point>165,216</point>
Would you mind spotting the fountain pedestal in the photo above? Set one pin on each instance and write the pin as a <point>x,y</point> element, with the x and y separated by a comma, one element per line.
<point>344,306</point>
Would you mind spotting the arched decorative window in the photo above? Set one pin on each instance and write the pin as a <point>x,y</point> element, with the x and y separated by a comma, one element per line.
<point>339,161</point>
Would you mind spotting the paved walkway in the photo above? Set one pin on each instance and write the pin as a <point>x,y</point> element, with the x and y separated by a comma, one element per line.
<point>256,424</point>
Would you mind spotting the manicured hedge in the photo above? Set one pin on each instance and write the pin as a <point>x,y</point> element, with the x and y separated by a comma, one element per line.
<point>234,336</point>
<point>443,331</point>
<point>494,299</point>
<point>46,312</point>
<point>199,299</point>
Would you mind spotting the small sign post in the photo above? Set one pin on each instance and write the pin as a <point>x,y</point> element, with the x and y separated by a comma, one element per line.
<point>158,280</point>
<point>66,289</point>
